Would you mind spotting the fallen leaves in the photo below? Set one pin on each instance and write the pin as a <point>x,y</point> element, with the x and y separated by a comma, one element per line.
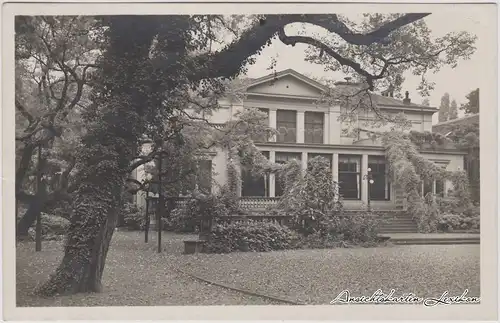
<point>136,275</point>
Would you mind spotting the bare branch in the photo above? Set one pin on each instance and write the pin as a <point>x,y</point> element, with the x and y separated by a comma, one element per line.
<point>24,112</point>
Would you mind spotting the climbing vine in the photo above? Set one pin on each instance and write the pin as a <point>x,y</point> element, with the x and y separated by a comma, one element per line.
<point>427,138</point>
<point>408,168</point>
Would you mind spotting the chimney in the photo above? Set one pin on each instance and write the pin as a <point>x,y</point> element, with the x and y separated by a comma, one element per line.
<point>407,100</point>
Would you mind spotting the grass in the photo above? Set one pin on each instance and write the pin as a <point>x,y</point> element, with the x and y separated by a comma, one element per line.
<point>136,275</point>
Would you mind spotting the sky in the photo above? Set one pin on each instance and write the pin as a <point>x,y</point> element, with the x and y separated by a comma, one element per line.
<point>464,76</point>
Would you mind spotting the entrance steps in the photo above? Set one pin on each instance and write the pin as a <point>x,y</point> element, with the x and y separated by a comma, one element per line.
<point>394,221</point>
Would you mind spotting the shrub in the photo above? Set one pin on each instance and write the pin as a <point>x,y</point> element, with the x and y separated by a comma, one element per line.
<point>456,216</point>
<point>359,228</point>
<point>447,205</point>
<point>452,222</point>
<point>312,200</point>
<point>452,206</point>
<point>181,220</point>
<point>133,217</point>
<point>187,219</point>
<point>250,236</point>
<point>54,225</point>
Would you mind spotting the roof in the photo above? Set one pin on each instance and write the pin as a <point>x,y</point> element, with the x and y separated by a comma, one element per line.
<point>377,98</point>
<point>287,72</point>
<point>389,101</point>
<point>443,126</point>
<point>447,147</point>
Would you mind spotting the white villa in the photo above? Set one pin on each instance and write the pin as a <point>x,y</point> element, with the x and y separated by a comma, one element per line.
<point>308,129</point>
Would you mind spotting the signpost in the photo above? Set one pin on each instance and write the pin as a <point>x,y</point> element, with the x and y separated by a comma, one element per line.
<point>146,217</point>
<point>161,203</point>
<point>38,228</point>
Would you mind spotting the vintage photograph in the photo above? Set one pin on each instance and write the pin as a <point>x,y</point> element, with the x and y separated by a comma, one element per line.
<point>248,159</point>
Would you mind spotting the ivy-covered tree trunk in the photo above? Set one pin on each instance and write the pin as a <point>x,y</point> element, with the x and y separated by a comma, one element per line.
<point>115,125</point>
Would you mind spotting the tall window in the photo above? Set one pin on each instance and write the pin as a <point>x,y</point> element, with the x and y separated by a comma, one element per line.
<point>283,158</point>
<point>427,187</point>
<point>313,124</point>
<point>350,176</point>
<point>440,188</point>
<point>380,189</point>
<point>286,124</point>
<point>254,185</point>
<point>326,156</point>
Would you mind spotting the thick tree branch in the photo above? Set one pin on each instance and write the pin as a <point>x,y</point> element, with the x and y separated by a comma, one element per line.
<point>228,62</point>
<point>292,40</point>
<point>389,27</point>
<point>147,158</point>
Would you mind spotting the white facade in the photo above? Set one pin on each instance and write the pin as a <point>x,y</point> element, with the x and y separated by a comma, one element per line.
<point>289,91</point>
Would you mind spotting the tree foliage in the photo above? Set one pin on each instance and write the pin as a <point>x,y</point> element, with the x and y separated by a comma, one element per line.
<point>444,108</point>
<point>382,65</point>
<point>453,110</point>
<point>472,104</point>
<point>54,65</point>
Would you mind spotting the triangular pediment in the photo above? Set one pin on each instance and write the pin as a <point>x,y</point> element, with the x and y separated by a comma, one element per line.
<point>288,83</point>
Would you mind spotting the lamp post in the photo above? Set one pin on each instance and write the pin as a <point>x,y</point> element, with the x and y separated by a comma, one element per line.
<point>369,178</point>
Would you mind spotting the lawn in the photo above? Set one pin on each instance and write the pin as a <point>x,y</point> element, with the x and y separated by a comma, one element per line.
<point>136,275</point>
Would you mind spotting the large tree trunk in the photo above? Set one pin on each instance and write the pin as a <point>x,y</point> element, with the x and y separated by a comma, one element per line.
<point>111,143</point>
<point>90,235</point>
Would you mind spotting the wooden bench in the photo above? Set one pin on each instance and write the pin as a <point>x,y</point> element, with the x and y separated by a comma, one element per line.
<point>193,246</point>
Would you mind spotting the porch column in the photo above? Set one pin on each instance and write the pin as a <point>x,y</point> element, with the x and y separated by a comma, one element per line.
<point>272,124</point>
<point>303,161</point>
<point>364,181</point>
<point>335,167</point>
<point>272,176</point>
<point>335,172</point>
<point>334,126</point>
<point>300,127</point>
<point>326,128</point>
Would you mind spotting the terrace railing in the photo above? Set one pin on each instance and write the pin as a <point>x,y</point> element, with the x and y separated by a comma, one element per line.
<point>256,203</point>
